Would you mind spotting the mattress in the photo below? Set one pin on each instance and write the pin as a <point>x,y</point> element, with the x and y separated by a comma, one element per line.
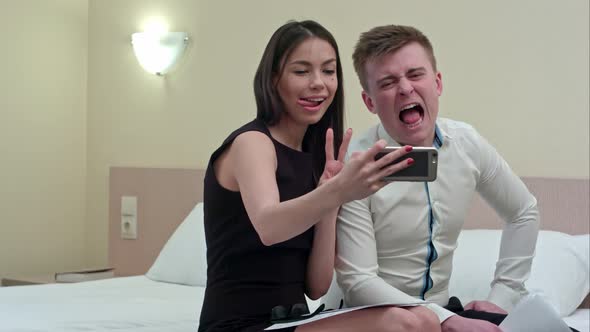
<point>125,304</point>
<point>129,304</point>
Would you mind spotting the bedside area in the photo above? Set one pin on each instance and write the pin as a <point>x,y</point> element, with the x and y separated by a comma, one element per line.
<point>58,277</point>
<point>27,280</point>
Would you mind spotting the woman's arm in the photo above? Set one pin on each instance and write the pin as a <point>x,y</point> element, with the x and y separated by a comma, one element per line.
<point>252,165</point>
<point>320,266</point>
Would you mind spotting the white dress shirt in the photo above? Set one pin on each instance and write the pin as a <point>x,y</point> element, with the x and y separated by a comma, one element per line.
<point>397,245</point>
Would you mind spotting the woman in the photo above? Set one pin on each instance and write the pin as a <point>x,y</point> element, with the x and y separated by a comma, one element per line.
<point>273,189</point>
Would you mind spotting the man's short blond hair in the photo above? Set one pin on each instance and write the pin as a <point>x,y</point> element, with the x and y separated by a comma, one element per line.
<point>384,40</point>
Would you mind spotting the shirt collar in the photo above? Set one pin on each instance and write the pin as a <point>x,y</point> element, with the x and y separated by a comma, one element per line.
<point>439,135</point>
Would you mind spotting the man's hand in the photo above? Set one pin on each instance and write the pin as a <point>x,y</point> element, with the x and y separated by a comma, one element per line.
<point>485,306</point>
<point>461,324</point>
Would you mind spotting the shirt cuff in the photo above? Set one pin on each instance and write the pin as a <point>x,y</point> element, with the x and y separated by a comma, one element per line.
<point>442,313</point>
<point>504,296</point>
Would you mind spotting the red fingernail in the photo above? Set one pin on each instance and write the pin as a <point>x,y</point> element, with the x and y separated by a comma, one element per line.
<point>410,161</point>
<point>409,148</point>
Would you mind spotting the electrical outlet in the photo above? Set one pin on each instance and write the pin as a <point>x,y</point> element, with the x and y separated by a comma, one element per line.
<point>129,217</point>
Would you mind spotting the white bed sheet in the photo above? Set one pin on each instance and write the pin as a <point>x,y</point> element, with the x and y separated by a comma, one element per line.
<point>580,320</point>
<point>128,304</point>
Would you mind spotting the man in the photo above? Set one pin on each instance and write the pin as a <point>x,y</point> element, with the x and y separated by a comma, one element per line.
<point>397,245</point>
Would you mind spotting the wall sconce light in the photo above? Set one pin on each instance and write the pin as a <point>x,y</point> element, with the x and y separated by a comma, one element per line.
<point>158,51</point>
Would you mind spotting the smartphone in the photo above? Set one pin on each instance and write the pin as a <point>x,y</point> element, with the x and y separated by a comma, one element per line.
<point>424,166</point>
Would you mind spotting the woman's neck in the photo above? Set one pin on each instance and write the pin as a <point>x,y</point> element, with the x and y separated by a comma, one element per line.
<point>289,134</point>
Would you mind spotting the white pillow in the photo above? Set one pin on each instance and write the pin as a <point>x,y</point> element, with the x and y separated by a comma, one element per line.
<point>183,260</point>
<point>560,270</point>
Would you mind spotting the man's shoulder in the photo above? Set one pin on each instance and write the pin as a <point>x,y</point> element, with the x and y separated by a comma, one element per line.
<point>456,129</point>
<point>364,140</point>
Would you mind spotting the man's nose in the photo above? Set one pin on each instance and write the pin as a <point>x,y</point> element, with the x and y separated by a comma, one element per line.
<point>405,87</point>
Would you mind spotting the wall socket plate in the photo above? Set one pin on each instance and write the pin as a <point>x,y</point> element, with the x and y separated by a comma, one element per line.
<point>129,217</point>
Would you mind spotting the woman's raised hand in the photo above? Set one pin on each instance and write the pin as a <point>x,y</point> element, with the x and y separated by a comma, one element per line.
<point>334,166</point>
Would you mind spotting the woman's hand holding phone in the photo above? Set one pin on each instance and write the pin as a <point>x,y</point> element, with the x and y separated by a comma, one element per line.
<point>362,175</point>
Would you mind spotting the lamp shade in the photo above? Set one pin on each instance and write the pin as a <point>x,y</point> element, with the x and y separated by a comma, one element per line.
<point>158,52</point>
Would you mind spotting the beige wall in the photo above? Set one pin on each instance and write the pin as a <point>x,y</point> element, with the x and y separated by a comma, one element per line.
<point>516,70</point>
<point>42,135</point>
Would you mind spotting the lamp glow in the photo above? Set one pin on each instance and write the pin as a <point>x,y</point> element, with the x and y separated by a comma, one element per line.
<point>158,51</point>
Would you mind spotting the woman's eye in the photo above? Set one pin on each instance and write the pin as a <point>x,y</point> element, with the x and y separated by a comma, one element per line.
<point>300,72</point>
<point>329,71</point>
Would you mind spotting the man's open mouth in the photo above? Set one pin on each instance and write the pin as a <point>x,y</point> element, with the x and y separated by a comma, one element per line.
<point>412,115</point>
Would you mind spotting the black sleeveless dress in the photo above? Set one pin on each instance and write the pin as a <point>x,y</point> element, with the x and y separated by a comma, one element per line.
<point>245,278</point>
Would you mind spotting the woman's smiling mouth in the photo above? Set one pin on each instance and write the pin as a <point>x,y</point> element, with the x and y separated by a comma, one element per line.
<point>311,104</point>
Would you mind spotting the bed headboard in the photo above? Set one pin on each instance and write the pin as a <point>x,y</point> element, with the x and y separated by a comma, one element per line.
<point>165,196</point>
<point>563,206</point>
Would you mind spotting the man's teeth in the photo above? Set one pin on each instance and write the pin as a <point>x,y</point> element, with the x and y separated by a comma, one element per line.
<point>407,107</point>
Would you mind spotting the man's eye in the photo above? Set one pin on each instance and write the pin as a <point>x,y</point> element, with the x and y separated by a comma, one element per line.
<point>416,75</point>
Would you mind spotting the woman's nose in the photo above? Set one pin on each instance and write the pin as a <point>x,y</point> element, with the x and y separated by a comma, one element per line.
<point>317,82</point>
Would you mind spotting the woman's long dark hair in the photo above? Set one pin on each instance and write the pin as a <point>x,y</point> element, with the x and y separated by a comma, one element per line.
<point>269,104</point>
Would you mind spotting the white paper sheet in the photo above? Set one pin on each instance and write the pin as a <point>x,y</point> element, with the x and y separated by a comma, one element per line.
<point>579,320</point>
<point>332,313</point>
<point>533,314</point>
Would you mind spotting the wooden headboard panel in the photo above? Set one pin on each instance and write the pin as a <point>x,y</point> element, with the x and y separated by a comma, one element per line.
<point>165,196</point>
<point>563,206</point>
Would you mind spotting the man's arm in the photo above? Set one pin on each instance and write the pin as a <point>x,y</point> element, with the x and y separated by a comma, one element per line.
<point>357,265</point>
<point>510,198</point>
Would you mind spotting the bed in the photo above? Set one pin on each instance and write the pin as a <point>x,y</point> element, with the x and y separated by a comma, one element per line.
<point>161,275</point>
<point>125,304</point>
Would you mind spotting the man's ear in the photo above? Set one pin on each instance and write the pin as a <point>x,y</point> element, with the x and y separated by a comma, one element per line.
<point>368,102</point>
<point>439,84</point>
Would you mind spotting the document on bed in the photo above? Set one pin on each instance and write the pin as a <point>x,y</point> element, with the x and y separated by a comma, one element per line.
<point>336,312</point>
<point>533,314</point>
